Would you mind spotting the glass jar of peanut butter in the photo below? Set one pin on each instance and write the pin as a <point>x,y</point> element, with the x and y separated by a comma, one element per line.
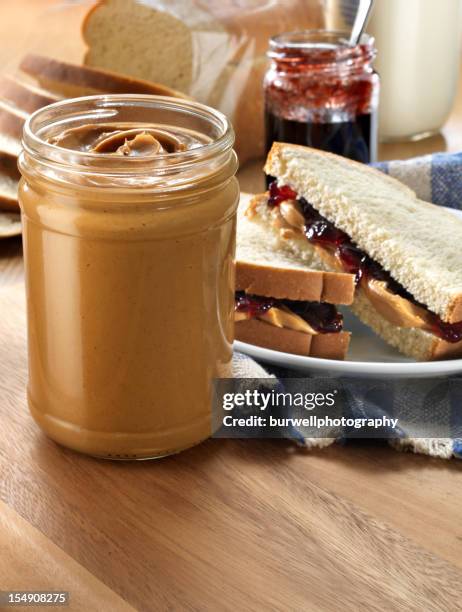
<point>128,206</point>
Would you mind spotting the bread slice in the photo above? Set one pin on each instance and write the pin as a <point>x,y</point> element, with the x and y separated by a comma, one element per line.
<point>71,80</point>
<point>214,51</point>
<point>10,224</point>
<point>413,240</point>
<point>10,147</point>
<point>24,96</point>
<point>9,176</point>
<point>17,100</point>
<point>178,43</point>
<point>267,272</point>
<point>142,40</point>
<point>415,343</point>
<point>326,346</point>
<point>11,122</point>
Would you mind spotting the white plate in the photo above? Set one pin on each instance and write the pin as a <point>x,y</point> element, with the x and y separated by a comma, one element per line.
<point>368,355</point>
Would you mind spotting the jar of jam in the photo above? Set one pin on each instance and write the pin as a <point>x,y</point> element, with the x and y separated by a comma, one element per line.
<point>321,92</point>
<point>128,207</point>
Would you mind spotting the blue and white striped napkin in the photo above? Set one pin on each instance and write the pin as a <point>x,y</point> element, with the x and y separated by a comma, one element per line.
<point>435,178</point>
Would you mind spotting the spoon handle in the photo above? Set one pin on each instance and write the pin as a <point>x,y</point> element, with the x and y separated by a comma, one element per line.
<point>363,10</point>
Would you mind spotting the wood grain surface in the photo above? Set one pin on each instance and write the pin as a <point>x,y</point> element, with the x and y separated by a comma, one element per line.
<point>228,525</point>
<point>29,558</point>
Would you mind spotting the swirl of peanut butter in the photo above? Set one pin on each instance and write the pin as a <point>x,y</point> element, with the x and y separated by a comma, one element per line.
<point>129,140</point>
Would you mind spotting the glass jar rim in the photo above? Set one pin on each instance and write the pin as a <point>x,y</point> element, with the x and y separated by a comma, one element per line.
<point>103,108</point>
<point>315,43</point>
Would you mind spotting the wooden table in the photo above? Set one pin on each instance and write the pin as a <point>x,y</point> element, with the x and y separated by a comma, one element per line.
<point>228,525</point>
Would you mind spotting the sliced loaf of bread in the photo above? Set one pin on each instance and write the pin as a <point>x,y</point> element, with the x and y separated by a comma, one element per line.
<point>152,44</point>
<point>214,50</point>
<point>9,176</point>
<point>71,80</point>
<point>11,126</point>
<point>10,223</point>
<point>10,147</point>
<point>11,122</point>
<point>24,96</point>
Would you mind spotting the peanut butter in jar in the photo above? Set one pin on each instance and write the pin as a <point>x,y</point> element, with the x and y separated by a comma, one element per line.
<point>128,206</point>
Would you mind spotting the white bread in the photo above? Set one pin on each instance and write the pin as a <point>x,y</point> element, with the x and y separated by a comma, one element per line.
<point>10,224</point>
<point>326,346</point>
<point>8,195</point>
<point>24,96</point>
<point>151,44</point>
<point>17,100</point>
<point>71,80</point>
<point>174,42</point>
<point>9,177</point>
<point>8,186</point>
<point>214,51</point>
<point>238,93</point>
<point>413,240</point>
<point>11,122</point>
<point>9,166</point>
<point>11,125</point>
<point>10,147</point>
<point>415,343</point>
<point>264,271</point>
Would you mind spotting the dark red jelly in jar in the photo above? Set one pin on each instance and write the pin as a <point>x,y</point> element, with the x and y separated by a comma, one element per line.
<point>322,93</point>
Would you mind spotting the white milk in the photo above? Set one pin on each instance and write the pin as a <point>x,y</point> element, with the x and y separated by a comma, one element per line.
<point>418,62</point>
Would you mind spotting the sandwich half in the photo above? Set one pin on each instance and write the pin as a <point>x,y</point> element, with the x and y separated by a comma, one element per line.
<point>282,304</point>
<point>339,215</point>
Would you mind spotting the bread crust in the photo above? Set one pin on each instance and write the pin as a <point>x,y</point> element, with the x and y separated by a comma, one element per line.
<point>294,284</point>
<point>244,30</point>
<point>259,21</point>
<point>8,204</point>
<point>278,147</point>
<point>88,15</point>
<point>59,76</point>
<point>331,346</point>
<point>432,293</point>
<point>327,346</point>
<point>25,97</point>
<point>455,309</point>
<point>9,176</point>
<point>10,224</point>
<point>8,158</point>
<point>10,147</point>
<point>445,350</point>
<point>416,343</point>
<point>9,166</point>
<point>11,122</point>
